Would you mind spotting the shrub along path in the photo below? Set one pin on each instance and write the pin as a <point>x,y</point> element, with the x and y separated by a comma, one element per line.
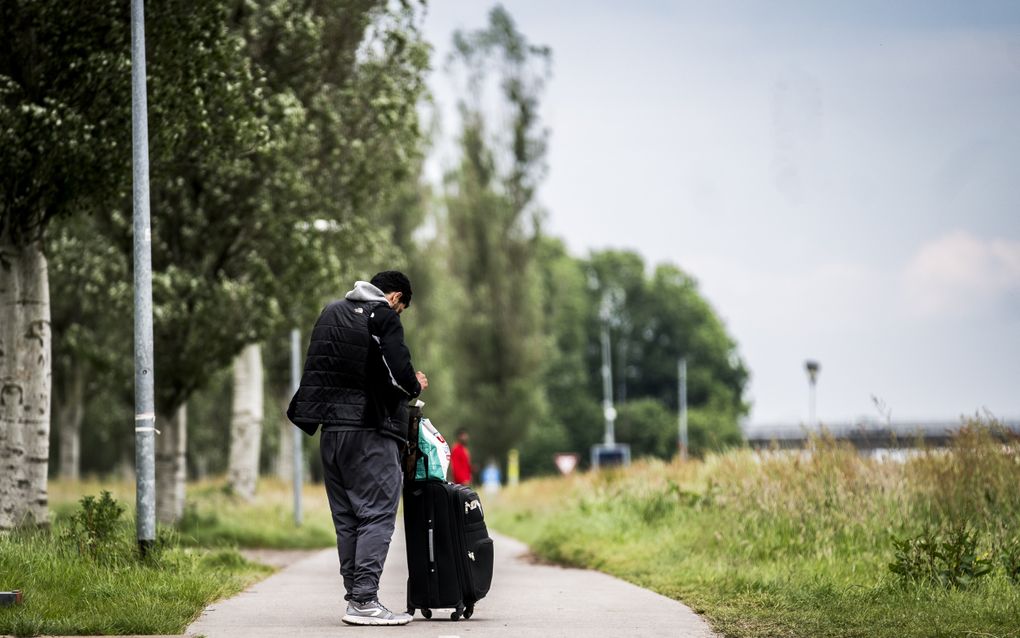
<point>527,600</point>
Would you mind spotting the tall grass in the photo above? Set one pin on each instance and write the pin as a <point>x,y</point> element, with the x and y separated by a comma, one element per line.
<point>795,543</point>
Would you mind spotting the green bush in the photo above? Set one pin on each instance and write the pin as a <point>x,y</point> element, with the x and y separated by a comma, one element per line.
<point>93,528</point>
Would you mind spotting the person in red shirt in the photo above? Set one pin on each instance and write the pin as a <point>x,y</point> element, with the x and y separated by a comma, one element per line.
<point>460,459</point>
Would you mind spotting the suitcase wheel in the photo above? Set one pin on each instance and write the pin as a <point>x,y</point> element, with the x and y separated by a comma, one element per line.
<point>410,611</point>
<point>426,613</point>
<point>455,615</point>
<point>469,612</point>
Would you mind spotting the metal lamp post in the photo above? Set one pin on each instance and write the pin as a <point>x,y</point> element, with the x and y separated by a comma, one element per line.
<point>295,381</point>
<point>145,411</point>
<point>682,406</point>
<point>812,367</point>
<point>609,452</point>
<point>608,411</point>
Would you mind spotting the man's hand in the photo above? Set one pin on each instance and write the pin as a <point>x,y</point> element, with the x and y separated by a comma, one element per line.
<point>422,379</point>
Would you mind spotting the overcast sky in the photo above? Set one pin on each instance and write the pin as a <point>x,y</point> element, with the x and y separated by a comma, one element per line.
<point>843,179</point>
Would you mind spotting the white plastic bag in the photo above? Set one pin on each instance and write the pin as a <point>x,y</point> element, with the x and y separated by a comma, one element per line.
<point>435,458</point>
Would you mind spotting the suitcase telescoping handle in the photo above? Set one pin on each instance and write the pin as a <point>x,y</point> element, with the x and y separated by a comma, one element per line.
<point>411,451</point>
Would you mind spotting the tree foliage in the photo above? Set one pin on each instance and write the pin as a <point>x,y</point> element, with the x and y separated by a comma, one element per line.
<point>278,131</point>
<point>64,128</point>
<point>278,128</point>
<point>498,343</point>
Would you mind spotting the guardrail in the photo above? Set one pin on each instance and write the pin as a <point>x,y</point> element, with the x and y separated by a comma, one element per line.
<point>865,435</point>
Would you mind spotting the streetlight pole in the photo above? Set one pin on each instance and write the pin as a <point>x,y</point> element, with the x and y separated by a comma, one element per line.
<point>812,367</point>
<point>607,379</point>
<point>682,406</point>
<point>295,381</point>
<point>145,411</point>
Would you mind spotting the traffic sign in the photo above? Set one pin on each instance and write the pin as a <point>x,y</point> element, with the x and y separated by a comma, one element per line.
<point>566,463</point>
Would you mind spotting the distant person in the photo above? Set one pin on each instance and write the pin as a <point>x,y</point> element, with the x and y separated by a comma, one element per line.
<point>460,459</point>
<point>356,384</point>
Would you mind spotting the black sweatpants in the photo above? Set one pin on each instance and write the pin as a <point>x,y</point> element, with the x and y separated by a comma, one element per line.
<point>363,480</point>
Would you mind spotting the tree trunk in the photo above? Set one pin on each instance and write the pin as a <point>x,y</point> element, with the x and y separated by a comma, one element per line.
<point>246,422</point>
<point>70,413</point>
<point>171,465</point>
<point>24,385</point>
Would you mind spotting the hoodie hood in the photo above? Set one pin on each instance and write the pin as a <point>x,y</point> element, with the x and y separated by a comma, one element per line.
<point>364,291</point>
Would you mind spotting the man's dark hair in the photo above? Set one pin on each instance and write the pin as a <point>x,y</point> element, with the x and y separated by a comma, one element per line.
<point>394,281</point>
<point>461,431</point>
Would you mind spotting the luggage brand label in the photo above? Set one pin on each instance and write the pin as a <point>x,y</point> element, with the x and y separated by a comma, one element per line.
<point>472,505</point>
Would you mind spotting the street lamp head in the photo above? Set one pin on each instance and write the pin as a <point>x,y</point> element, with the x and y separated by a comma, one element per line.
<point>812,368</point>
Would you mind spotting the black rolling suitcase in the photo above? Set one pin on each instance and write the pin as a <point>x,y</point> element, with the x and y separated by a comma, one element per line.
<point>449,552</point>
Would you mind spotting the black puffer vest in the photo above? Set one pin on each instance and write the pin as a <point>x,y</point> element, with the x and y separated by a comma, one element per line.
<point>334,384</point>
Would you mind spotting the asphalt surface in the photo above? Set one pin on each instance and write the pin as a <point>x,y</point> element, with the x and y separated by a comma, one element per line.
<point>526,600</point>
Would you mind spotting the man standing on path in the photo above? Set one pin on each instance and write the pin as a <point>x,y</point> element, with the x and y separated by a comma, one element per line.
<point>460,459</point>
<point>357,380</point>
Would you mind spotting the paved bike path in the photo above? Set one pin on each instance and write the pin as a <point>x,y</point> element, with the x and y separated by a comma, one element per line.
<point>527,600</point>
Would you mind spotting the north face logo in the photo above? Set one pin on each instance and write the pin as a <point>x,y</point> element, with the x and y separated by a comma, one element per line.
<point>472,505</point>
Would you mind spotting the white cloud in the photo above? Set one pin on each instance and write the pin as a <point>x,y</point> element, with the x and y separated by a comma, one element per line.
<point>959,274</point>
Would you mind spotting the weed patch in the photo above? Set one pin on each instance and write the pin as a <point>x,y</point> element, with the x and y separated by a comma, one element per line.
<point>947,559</point>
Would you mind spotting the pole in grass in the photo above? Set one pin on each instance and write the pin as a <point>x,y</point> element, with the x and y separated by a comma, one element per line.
<point>145,411</point>
<point>682,407</point>
<point>608,411</point>
<point>295,381</point>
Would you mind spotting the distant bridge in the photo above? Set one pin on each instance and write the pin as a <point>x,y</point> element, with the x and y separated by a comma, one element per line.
<point>864,435</point>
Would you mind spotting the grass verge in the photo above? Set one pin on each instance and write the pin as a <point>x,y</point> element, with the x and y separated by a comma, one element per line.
<point>110,591</point>
<point>113,592</point>
<point>795,544</point>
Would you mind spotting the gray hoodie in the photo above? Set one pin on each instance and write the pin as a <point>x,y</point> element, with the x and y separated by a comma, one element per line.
<point>364,291</point>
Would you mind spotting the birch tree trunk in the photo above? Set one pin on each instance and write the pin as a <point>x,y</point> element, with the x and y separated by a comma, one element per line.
<point>246,422</point>
<point>171,465</point>
<point>70,413</point>
<point>24,385</point>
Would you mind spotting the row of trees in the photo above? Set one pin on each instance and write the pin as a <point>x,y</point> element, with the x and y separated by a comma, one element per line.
<point>287,155</point>
<point>279,129</point>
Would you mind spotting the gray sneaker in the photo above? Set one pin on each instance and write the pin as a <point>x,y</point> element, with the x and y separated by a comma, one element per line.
<point>372,613</point>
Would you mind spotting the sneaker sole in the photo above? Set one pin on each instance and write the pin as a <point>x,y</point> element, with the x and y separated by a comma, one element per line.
<point>369,620</point>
